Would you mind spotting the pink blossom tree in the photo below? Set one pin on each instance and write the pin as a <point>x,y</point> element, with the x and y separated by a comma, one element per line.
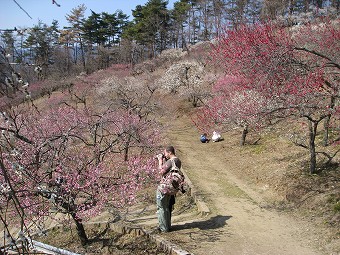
<point>294,72</point>
<point>231,108</point>
<point>70,159</point>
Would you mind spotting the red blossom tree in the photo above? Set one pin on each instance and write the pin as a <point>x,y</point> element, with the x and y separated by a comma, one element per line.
<point>71,159</point>
<point>294,72</point>
<point>231,108</point>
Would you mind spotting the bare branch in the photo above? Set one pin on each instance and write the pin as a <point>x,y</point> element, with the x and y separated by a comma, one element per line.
<point>332,63</point>
<point>22,9</point>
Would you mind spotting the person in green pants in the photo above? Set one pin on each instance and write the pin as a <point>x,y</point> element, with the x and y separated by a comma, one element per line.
<point>165,202</point>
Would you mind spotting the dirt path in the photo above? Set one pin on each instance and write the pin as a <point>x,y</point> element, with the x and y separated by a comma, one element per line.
<point>239,222</point>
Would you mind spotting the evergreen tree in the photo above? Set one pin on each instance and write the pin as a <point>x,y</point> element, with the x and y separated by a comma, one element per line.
<point>73,34</point>
<point>94,28</point>
<point>150,26</point>
<point>41,42</point>
<point>179,17</point>
<point>8,40</point>
<point>122,24</point>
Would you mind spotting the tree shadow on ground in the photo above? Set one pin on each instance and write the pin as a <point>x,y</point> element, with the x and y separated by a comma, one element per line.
<point>215,222</point>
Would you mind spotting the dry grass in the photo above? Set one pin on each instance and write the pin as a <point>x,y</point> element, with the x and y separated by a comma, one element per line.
<point>103,240</point>
<point>273,166</point>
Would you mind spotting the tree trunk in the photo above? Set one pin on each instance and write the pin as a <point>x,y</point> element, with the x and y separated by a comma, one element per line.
<point>312,134</point>
<point>327,121</point>
<point>82,54</point>
<point>80,230</point>
<point>126,149</point>
<point>244,135</point>
<point>326,130</point>
<point>194,101</point>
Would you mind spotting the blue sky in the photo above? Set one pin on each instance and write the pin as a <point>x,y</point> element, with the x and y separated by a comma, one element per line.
<point>12,16</point>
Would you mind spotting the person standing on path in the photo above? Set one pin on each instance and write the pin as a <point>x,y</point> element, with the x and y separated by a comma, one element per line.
<point>165,202</point>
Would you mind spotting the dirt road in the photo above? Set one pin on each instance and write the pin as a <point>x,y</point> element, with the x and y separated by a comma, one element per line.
<point>240,222</point>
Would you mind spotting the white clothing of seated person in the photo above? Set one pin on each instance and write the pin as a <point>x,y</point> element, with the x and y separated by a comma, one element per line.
<point>216,137</point>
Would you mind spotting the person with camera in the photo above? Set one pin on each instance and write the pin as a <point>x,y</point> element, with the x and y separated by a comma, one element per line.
<point>165,201</point>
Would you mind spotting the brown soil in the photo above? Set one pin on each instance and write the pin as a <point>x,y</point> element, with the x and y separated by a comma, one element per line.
<point>103,241</point>
<point>246,190</point>
<point>261,200</point>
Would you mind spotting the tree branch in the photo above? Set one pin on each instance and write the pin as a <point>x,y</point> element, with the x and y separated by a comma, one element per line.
<point>320,55</point>
<point>22,8</point>
<point>15,133</point>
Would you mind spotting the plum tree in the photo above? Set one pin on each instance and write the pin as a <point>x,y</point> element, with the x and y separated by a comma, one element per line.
<point>70,159</point>
<point>289,72</point>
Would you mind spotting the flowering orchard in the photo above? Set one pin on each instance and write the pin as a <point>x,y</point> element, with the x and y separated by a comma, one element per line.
<point>189,79</point>
<point>275,72</point>
<point>70,159</point>
<point>231,108</point>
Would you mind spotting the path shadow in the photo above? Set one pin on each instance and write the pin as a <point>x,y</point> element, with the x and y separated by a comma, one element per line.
<point>215,222</point>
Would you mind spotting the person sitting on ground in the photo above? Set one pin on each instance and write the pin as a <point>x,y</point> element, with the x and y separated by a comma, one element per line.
<point>216,137</point>
<point>204,138</point>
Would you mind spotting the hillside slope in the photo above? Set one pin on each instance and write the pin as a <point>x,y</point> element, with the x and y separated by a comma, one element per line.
<point>243,220</point>
<point>261,200</point>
